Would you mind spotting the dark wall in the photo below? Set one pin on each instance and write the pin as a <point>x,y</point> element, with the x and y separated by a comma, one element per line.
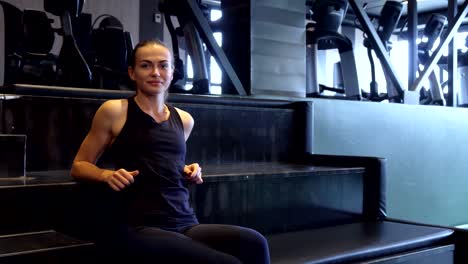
<point>54,128</point>
<point>150,28</point>
<point>240,133</point>
<point>425,147</point>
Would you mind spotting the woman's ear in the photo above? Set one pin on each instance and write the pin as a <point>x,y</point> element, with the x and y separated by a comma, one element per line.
<point>131,73</point>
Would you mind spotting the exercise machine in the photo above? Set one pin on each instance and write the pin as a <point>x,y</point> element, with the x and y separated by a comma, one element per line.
<point>323,35</point>
<point>389,17</point>
<point>111,47</point>
<point>432,31</point>
<point>198,33</point>
<point>73,68</point>
<point>194,44</point>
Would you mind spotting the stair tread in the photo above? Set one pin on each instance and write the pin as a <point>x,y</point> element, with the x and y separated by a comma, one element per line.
<point>211,172</point>
<point>34,242</point>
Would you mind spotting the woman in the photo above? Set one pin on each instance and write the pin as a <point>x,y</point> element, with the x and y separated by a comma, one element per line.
<point>146,137</point>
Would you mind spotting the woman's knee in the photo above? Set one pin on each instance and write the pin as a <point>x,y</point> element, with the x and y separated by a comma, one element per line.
<point>253,237</point>
<point>246,244</point>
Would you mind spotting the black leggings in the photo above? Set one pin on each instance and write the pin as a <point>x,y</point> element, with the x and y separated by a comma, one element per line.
<point>203,243</point>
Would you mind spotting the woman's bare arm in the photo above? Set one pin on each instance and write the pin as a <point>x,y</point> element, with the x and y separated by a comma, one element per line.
<point>101,134</point>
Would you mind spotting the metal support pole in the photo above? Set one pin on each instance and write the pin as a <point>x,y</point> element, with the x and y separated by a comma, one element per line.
<point>413,61</point>
<point>453,28</point>
<point>2,46</point>
<point>452,58</point>
<point>377,44</point>
<point>207,35</point>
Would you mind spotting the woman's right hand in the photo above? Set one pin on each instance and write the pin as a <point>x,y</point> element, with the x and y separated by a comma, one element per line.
<point>120,179</point>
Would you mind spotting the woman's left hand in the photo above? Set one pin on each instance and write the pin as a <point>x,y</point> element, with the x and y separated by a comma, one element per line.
<point>193,172</point>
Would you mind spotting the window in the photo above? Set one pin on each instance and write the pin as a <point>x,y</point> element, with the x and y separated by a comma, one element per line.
<point>401,62</point>
<point>214,69</point>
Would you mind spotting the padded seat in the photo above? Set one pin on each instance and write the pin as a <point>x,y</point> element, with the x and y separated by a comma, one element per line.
<point>352,242</point>
<point>112,45</point>
<point>38,64</point>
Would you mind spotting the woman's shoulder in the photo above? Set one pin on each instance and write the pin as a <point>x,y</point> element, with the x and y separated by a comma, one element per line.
<point>184,115</point>
<point>113,108</point>
<point>187,119</point>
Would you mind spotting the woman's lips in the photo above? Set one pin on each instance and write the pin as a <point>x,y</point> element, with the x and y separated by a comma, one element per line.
<point>155,82</point>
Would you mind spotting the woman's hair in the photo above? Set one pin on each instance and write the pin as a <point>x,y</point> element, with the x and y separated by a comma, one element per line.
<point>131,58</point>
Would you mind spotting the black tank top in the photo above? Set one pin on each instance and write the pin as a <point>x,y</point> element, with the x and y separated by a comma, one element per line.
<point>158,197</point>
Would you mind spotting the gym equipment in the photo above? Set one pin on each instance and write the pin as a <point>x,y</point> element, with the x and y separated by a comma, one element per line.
<point>380,50</point>
<point>38,64</point>
<point>463,81</point>
<point>194,44</point>
<point>197,31</point>
<point>432,32</point>
<point>323,35</point>
<point>28,40</point>
<point>82,27</point>
<point>389,17</point>
<point>462,97</point>
<point>73,68</point>
<point>178,80</point>
<point>112,46</point>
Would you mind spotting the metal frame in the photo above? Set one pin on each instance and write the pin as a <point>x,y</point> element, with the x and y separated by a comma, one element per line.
<point>207,35</point>
<point>2,47</point>
<point>452,58</point>
<point>378,46</point>
<point>413,61</point>
<point>429,67</point>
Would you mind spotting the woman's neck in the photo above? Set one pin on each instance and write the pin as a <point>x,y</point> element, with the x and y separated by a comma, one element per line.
<point>154,104</point>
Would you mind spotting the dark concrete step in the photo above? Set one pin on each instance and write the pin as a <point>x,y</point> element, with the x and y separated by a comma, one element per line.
<point>251,194</point>
<point>431,255</point>
<point>31,208</point>
<point>352,243</point>
<point>223,172</point>
<point>46,246</point>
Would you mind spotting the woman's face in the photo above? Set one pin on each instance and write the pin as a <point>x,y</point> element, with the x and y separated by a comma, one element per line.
<point>153,69</point>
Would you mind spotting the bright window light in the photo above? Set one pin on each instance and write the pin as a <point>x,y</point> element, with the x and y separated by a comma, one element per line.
<point>219,38</point>
<point>215,14</point>
<point>215,71</point>
<point>189,68</point>
<point>216,74</point>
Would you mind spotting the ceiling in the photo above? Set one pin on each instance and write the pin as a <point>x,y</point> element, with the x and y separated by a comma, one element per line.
<point>424,6</point>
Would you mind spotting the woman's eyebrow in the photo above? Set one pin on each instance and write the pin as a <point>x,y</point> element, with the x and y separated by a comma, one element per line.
<point>149,61</point>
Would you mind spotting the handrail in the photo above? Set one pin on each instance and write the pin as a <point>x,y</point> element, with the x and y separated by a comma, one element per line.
<point>92,93</point>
